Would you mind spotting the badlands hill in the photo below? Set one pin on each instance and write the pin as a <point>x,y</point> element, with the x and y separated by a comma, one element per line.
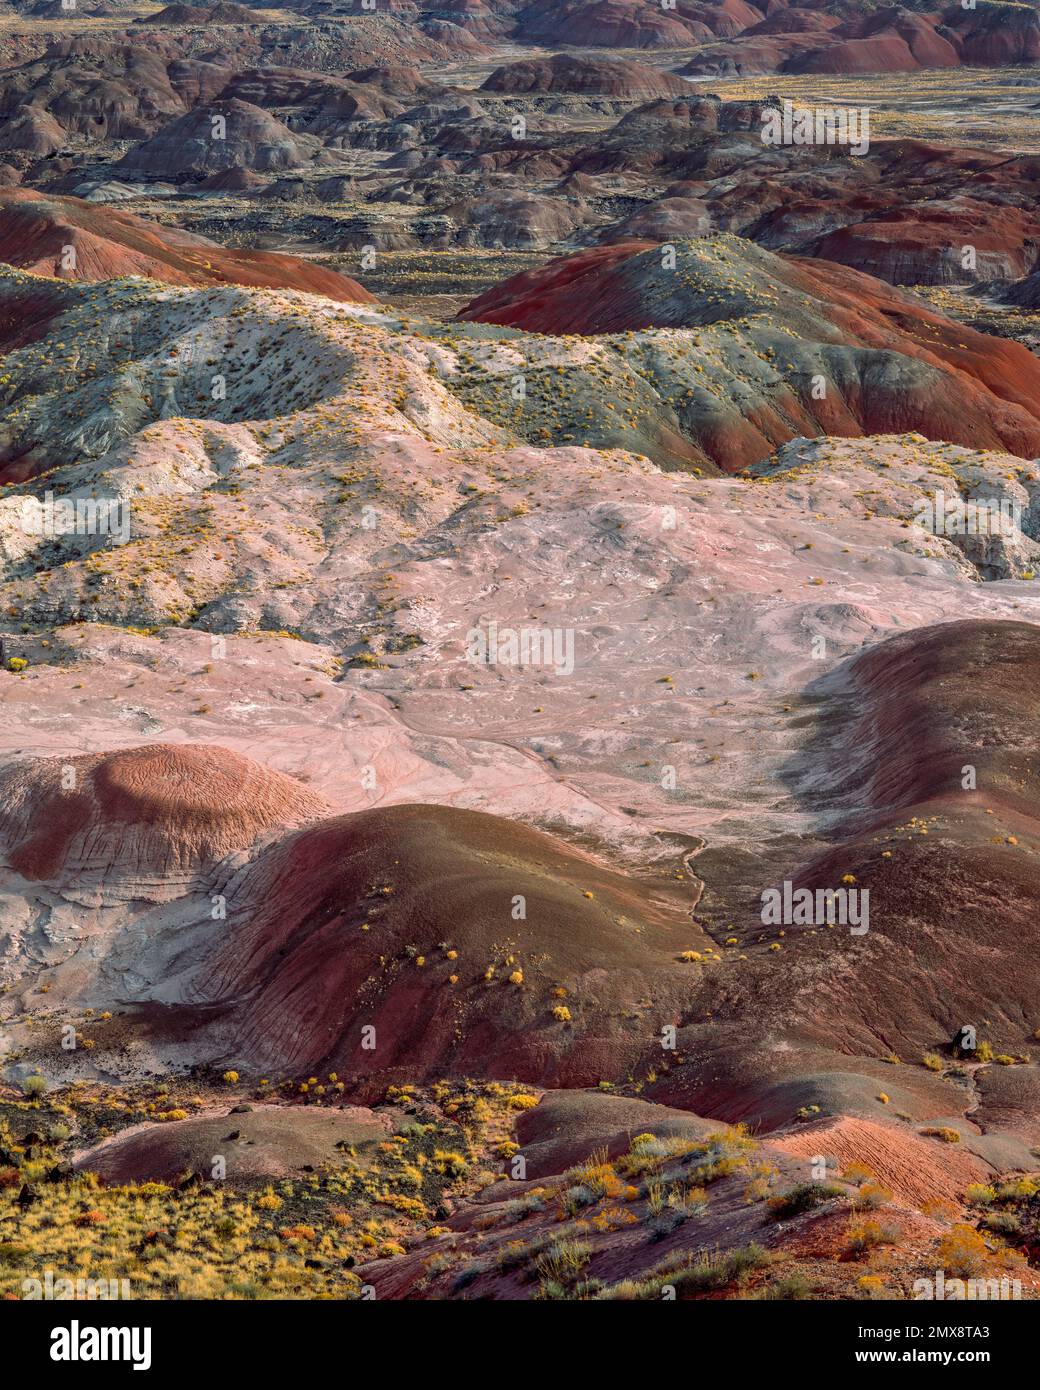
<point>38,233</point>
<point>451,663</point>
<point>270,822</point>
<point>563,73</point>
<point>203,14</point>
<point>249,138</point>
<point>889,361</point>
<point>325,136</point>
<point>814,349</point>
<point>352,413</point>
<point>887,39</point>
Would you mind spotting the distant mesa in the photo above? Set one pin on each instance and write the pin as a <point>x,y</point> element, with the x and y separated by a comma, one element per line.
<point>632,24</point>
<point>36,230</point>
<point>888,40</point>
<point>204,14</point>
<point>627,80</point>
<point>924,244</point>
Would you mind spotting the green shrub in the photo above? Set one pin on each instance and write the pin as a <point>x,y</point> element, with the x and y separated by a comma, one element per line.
<point>802,1198</point>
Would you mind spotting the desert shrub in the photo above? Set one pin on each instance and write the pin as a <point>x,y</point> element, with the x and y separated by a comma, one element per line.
<point>857,1173</point>
<point>757,1190</point>
<point>791,1288</point>
<point>1002,1223</point>
<point>451,1164</point>
<point>690,1277</point>
<point>943,1132</point>
<point>963,1252</point>
<point>719,1270</point>
<point>1017,1189</point>
<point>680,1204</point>
<point>647,1153</point>
<point>468,1274</point>
<point>867,1235</point>
<point>734,1138</point>
<point>563,1260</point>
<point>521,1207</point>
<point>668,1221</point>
<point>552,1290</point>
<point>574,1198</point>
<point>932,1061</point>
<point>804,1197</point>
<point>655,1196</point>
<point>871,1195</point>
<point>872,1286</point>
<point>980,1194</point>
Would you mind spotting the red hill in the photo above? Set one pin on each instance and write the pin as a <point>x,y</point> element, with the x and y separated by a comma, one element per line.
<point>36,229</point>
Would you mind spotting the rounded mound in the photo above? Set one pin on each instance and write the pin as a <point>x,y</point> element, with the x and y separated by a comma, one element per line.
<point>139,815</point>
<point>914,1168</point>
<point>891,361</point>
<point>461,940</point>
<point>270,1141</point>
<point>623,79</point>
<point>36,228</point>
<point>567,1126</point>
